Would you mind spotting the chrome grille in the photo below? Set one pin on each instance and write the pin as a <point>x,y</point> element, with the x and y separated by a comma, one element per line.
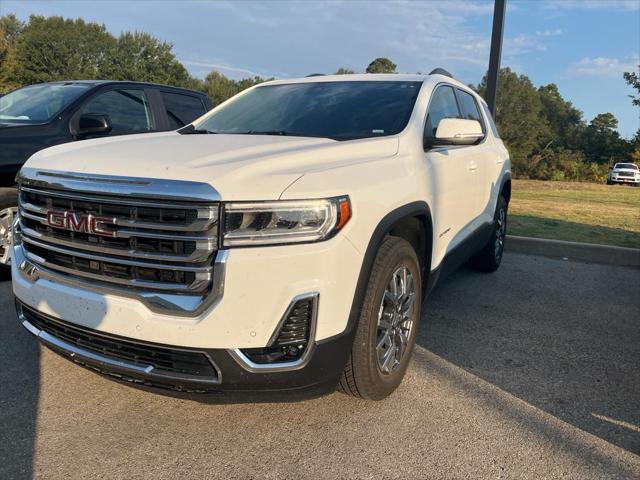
<point>625,174</point>
<point>158,245</point>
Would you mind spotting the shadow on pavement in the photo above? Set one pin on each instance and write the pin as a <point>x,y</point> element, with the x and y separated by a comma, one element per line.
<point>19,392</point>
<point>564,337</point>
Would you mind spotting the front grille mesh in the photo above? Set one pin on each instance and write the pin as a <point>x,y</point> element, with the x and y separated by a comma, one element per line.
<point>152,244</point>
<point>163,359</point>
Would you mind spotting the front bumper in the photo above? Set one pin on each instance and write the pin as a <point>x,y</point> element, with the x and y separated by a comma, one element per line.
<point>319,374</point>
<point>619,179</point>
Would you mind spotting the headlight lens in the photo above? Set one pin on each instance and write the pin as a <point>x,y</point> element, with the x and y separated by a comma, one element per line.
<point>284,221</point>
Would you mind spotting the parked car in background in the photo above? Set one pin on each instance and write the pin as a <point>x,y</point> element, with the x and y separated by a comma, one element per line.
<point>47,114</point>
<point>624,173</point>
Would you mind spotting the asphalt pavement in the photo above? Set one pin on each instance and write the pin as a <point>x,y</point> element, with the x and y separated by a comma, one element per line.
<point>531,372</point>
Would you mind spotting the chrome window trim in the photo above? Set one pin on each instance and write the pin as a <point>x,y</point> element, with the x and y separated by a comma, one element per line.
<point>253,367</point>
<point>79,354</point>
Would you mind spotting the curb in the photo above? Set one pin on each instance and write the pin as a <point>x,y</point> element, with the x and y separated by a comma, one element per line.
<point>586,252</point>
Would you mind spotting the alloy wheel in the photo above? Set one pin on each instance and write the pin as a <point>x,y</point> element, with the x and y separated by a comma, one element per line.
<point>7,216</point>
<point>395,320</point>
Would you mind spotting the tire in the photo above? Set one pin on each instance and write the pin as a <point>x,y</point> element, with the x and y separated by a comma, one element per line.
<point>8,200</point>
<point>489,258</point>
<point>367,375</point>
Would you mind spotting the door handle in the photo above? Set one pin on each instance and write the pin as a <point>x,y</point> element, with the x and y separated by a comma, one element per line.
<point>472,166</point>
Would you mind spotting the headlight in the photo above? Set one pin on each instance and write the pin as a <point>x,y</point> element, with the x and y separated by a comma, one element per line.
<point>283,221</point>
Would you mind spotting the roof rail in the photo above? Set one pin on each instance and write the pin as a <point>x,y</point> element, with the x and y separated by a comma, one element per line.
<point>315,75</point>
<point>440,71</point>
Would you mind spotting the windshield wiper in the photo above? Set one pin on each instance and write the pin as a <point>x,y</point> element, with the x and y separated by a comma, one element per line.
<point>191,130</point>
<point>266,132</point>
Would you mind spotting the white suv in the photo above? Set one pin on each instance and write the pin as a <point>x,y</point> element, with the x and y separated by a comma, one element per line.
<point>284,241</point>
<point>624,173</point>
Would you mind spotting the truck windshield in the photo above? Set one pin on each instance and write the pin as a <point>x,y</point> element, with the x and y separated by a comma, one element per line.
<point>39,103</point>
<point>342,110</point>
<point>626,165</point>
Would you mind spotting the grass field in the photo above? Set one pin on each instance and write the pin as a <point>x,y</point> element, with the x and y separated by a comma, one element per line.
<point>579,212</point>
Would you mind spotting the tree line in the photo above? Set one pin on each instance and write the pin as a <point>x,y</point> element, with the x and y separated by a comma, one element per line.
<point>547,136</point>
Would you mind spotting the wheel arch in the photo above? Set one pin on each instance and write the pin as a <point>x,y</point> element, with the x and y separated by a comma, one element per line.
<point>402,222</point>
<point>505,187</point>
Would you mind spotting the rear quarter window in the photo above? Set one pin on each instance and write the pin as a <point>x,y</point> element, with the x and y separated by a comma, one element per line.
<point>181,109</point>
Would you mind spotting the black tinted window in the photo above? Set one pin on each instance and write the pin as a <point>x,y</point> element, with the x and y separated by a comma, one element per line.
<point>181,109</point>
<point>128,110</point>
<point>468,107</point>
<point>341,110</point>
<point>443,105</point>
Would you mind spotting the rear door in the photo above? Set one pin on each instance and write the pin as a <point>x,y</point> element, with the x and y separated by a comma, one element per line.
<point>455,174</point>
<point>483,157</point>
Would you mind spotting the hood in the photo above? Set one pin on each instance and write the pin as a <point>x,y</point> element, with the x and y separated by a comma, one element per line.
<point>239,167</point>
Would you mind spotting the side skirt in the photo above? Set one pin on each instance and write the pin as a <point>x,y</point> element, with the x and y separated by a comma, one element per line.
<point>459,255</point>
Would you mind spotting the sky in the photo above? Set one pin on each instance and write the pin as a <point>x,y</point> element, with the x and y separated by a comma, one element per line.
<point>583,46</point>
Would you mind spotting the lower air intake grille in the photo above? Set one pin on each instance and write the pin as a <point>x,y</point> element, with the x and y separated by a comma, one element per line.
<point>175,363</point>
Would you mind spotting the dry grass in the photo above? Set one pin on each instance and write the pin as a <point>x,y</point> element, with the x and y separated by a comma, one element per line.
<point>581,212</point>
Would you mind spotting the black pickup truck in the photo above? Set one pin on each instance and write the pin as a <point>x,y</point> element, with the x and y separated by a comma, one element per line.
<point>47,114</point>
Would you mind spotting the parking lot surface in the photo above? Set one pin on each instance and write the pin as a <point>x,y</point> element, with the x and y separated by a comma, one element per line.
<point>531,372</point>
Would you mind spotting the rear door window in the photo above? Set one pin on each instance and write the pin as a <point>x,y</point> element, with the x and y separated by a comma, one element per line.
<point>181,109</point>
<point>128,110</point>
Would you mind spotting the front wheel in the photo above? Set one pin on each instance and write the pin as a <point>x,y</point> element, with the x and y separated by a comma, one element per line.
<point>386,330</point>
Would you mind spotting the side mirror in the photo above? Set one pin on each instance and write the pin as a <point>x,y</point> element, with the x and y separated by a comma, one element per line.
<point>458,131</point>
<point>93,124</point>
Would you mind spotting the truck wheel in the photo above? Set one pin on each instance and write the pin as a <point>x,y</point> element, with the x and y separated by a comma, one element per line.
<point>8,209</point>
<point>386,330</point>
<point>489,258</point>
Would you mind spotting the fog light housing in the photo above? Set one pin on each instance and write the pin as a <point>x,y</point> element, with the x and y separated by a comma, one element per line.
<point>292,340</point>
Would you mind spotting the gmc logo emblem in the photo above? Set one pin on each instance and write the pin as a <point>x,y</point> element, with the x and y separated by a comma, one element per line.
<point>81,223</point>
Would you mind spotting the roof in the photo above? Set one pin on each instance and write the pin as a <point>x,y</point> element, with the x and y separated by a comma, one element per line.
<point>368,77</point>
<point>127,82</point>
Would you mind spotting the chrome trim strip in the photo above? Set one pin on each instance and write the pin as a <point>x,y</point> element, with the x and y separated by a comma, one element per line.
<point>146,188</point>
<point>188,304</point>
<point>201,254</point>
<point>207,220</point>
<point>79,354</point>
<point>119,261</point>
<point>253,367</point>
<point>198,286</point>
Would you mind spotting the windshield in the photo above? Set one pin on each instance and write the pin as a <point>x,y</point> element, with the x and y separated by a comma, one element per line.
<point>338,110</point>
<point>39,103</point>
<point>626,165</point>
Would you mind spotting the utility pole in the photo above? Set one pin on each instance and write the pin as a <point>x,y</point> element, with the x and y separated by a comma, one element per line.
<point>494,57</point>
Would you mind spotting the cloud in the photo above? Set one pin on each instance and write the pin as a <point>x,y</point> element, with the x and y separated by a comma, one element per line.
<point>232,71</point>
<point>628,5</point>
<point>603,66</point>
<point>549,33</point>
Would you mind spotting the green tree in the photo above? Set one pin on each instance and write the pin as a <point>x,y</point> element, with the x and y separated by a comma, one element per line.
<point>344,71</point>
<point>55,48</point>
<point>10,29</point>
<point>519,117</point>
<point>633,79</point>
<point>603,143</point>
<point>381,65</point>
<point>220,88</point>
<point>565,124</point>
<point>141,57</point>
